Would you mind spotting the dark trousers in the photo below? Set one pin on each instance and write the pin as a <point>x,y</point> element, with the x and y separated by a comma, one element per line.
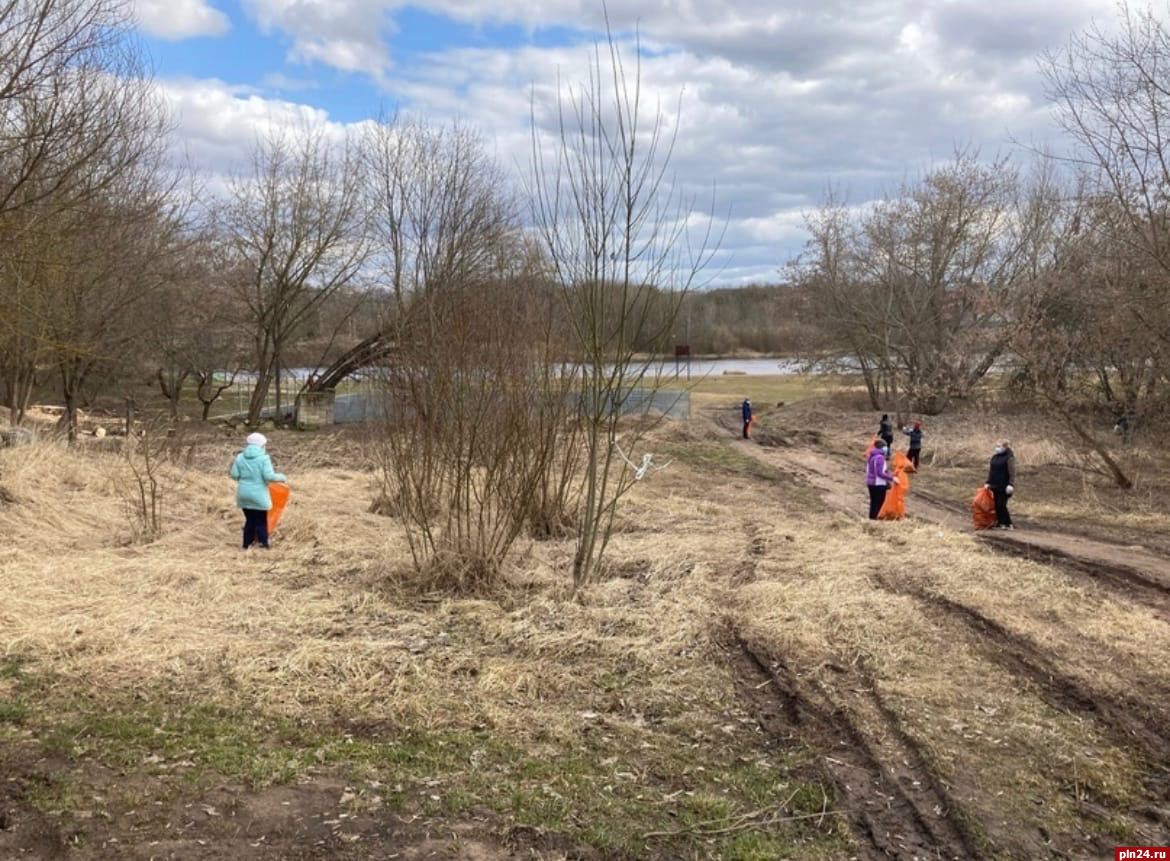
<point>1002,517</point>
<point>877,495</point>
<point>255,527</point>
<point>747,426</point>
<point>913,453</point>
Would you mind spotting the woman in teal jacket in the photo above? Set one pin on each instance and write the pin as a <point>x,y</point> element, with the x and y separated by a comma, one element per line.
<point>253,472</point>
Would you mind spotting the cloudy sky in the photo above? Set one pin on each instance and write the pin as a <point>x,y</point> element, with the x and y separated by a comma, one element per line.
<point>781,100</point>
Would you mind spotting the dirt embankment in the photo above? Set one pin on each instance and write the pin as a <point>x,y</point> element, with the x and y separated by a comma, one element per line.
<point>889,746</point>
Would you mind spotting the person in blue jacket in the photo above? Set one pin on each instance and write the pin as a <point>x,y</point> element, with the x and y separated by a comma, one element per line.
<point>253,472</point>
<point>746,409</point>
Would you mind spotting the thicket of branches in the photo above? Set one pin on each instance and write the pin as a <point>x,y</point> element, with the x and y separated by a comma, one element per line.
<point>90,216</point>
<point>1054,278</point>
<point>613,229</point>
<point>463,436</point>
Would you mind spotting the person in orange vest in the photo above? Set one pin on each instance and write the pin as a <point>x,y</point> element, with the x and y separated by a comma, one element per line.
<point>253,472</point>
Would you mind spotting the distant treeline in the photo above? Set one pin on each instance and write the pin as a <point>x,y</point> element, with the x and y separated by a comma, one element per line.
<point>759,318</point>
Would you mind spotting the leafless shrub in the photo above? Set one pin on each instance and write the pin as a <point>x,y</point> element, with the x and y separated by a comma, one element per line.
<point>614,230</point>
<point>142,491</point>
<point>462,453</point>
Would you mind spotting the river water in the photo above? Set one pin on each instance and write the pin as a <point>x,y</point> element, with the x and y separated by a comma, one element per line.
<point>700,367</point>
<point>696,367</point>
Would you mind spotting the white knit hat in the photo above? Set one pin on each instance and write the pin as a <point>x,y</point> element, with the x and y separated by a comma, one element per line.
<point>257,438</point>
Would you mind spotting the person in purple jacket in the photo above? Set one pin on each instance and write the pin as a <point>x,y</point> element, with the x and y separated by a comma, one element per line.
<point>877,477</point>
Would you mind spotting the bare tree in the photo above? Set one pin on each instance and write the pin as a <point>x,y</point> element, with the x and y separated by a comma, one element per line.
<point>69,89</point>
<point>462,453</point>
<point>1097,340</point>
<point>194,331</point>
<point>442,212</point>
<point>1111,89</point>
<point>77,118</point>
<point>1083,344</point>
<point>919,287</point>
<point>100,267</point>
<point>614,230</point>
<point>294,234</point>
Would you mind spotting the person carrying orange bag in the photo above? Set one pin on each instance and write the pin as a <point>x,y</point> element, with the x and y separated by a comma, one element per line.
<point>253,472</point>
<point>877,479</point>
<point>1001,478</point>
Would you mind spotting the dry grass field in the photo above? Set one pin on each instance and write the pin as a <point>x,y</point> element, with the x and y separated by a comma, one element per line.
<point>760,674</point>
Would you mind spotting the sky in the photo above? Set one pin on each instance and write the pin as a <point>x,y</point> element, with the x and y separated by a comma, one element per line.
<point>777,103</point>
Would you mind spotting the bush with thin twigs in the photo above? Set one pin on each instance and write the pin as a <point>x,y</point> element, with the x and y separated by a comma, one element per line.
<point>142,490</point>
<point>465,437</point>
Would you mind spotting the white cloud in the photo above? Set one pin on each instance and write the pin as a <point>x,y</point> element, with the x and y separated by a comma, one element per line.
<point>781,100</point>
<point>180,19</point>
<point>345,34</point>
<point>218,124</point>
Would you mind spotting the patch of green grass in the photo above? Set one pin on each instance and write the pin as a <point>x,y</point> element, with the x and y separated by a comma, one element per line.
<point>807,799</point>
<point>52,793</point>
<point>254,749</point>
<point>12,711</point>
<point>15,709</point>
<point>616,794</point>
<point>763,389</point>
<point>1120,832</point>
<point>614,838</point>
<point>717,456</point>
<point>757,846</point>
<point>13,668</point>
<point>761,784</point>
<point>702,808</point>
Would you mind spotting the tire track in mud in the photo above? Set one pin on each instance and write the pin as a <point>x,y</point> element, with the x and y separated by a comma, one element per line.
<point>894,802</point>
<point>1131,722</point>
<point>835,723</point>
<point>1134,584</point>
<point>1138,574</point>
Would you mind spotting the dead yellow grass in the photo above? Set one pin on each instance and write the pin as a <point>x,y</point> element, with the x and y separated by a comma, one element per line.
<point>318,627</point>
<point>833,608</point>
<point>316,624</point>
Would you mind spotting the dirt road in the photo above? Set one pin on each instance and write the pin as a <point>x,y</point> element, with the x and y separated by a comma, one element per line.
<point>901,802</point>
<point>1141,573</point>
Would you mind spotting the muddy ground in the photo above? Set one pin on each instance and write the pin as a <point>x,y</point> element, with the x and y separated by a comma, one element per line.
<point>900,794</point>
<point>900,807</point>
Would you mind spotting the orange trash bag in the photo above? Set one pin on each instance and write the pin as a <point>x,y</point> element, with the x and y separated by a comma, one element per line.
<point>902,462</point>
<point>983,509</point>
<point>894,507</point>
<point>279,493</point>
